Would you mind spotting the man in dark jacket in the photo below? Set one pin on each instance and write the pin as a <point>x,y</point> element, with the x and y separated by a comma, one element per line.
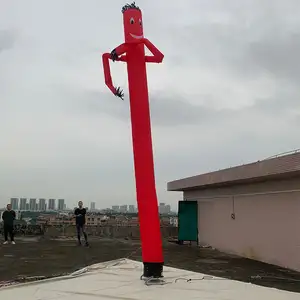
<point>8,218</point>
<point>80,213</point>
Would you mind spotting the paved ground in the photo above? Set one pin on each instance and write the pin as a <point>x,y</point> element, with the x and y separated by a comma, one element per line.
<point>30,257</point>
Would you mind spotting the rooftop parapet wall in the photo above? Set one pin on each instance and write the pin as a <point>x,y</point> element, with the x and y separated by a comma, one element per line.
<point>277,167</point>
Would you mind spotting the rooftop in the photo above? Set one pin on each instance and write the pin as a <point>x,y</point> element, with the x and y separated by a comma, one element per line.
<point>32,259</point>
<point>276,167</point>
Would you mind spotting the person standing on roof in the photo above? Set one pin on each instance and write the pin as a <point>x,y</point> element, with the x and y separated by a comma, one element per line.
<point>80,213</point>
<point>8,218</point>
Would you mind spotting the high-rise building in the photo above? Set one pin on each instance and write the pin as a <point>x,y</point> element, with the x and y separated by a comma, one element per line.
<point>23,202</point>
<point>36,207</point>
<point>32,204</point>
<point>14,203</point>
<point>93,205</point>
<point>123,208</point>
<point>164,209</point>
<point>115,208</point>
<point>131,208</point>
<point>168,209</point>
<point>27,206</point>
<point>61,204</point>
<point>42,203</point>
<point>51,204</point>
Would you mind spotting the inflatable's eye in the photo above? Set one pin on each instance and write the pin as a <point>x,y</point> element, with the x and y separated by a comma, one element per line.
<point>131,20</point>
<point>140,21</point>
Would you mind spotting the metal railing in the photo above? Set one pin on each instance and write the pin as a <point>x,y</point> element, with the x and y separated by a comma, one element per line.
<point>282,154</point>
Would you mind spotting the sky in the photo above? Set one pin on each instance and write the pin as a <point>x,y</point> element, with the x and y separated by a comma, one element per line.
<point>227,93</point>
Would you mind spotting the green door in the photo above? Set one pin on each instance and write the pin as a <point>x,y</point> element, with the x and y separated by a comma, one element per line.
<point>187,221</point>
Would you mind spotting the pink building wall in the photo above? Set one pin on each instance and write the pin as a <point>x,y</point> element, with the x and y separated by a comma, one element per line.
<point>266,225</point>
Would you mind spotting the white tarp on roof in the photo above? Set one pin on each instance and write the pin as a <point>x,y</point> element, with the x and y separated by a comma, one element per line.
<point>120,280</point>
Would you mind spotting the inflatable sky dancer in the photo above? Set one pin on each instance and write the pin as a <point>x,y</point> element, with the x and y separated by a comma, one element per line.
<point>133,53</point>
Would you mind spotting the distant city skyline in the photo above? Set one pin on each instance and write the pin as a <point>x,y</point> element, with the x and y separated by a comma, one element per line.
<point>163,208</point>
<point>37,204</point>
<point>43,203</point>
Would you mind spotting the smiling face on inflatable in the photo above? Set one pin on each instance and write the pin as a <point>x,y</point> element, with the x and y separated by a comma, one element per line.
<point>133,23</point>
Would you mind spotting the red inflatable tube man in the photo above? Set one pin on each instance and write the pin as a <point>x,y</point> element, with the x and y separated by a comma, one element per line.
<point>133,53</point>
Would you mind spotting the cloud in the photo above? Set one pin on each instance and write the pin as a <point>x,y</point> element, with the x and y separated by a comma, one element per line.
<point>225,94</point>
<point>166,110</point>
<point>278,56</point>
<point>7,39</point>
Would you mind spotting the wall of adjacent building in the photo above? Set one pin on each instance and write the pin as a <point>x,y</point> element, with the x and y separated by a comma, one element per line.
<point>259,221</point>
